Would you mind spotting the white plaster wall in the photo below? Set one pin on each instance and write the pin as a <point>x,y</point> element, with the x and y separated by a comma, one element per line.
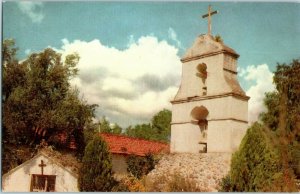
<point>191,84</point>
<point>225,136</point>
<point>239,131</point>
<point>19,180</point>
<point>185,138</point>
<point>219,108</point>
<point>119,165</point>
<point>238,108</point>
<point>222,136</point>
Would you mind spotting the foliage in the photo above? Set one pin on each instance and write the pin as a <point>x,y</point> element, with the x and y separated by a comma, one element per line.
<point>270,118</point>
<point>257,165</point>
<point>106,127</point>
<point>90,131</point>
<point>269,156</point>
<point>218,38</point>
<point>161,125</point>
<point>159,129</point>
<point>225,184</point>
<point>287,81</point>
<point>37,100</point>
<point>13,156</point>
<point>129,184</point>
<point>283,114</point>
<point>95,173</point>
<point>140,166</point>
<point>174,182</point>
<point>143,131</point>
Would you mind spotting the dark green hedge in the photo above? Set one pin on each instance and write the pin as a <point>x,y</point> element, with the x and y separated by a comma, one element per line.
<point>96,171</point>
<point>140,166</point>
<point>257,166</point>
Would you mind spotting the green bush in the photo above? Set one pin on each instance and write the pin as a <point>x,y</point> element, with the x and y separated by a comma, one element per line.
<point>140,166</point>
<point>257,165</point>
<point>96,171</point>
<point>225,184</point>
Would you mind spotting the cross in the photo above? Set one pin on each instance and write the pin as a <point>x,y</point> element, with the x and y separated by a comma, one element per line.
<point>42,165</point>
<point>208,15</point>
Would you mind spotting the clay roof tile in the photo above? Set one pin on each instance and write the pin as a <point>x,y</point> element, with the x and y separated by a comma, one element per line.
<point>120,144</point>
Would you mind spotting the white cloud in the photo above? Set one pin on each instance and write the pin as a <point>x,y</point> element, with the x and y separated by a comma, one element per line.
<point>263,82</point>
<point>32,9</point>
<point>173,36</point>
<point>27,51</point>
<point>129,85</point>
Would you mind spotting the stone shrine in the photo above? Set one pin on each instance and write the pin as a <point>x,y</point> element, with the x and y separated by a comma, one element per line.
<point>210,109</point>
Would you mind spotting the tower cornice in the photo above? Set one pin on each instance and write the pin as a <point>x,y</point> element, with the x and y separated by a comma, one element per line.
<point>198,98</point>
<point>186,59</point>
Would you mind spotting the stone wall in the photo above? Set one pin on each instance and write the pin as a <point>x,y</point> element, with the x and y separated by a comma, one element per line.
<point>207,169</point>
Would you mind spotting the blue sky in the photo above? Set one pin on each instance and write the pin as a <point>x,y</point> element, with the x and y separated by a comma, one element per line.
<point>262,33</point>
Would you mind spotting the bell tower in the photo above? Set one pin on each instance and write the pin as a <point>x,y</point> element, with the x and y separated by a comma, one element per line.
<point>210,109</point>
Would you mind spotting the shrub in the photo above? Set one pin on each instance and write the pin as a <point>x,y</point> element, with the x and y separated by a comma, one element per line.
<point>178,183</point>
<point>172,183</point>
<point>96,171</point>
<point>225,184</point>
<point>140,166</point>
<point>129,184</point>
<point>257,165</point>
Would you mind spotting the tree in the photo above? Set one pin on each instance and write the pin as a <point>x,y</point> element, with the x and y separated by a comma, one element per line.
<point>140,131</point>
<point>38,102</point>
<point>283,113</point>
<point>96,171</point>
<point>257,165</point>
<point>161,123</point>
<point>270,118</point>
<point>107,127</point>
<point>159,129</point>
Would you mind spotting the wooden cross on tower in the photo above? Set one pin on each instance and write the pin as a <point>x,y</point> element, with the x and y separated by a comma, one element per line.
<point>208,16</point>
<point>42,165</point>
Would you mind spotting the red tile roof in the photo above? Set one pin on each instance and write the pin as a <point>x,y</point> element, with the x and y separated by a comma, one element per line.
<point>119,144</point>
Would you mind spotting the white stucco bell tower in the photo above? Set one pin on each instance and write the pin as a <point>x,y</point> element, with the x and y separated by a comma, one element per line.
<point>210,109</point>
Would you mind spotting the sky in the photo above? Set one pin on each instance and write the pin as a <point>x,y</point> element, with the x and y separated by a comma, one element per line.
<point>130,51</point>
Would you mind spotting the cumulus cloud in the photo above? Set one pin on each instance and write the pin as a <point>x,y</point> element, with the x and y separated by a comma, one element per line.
<point>129,85</point>
<point>262,79</point>
<point>32,9</point>
<point>173,36</point>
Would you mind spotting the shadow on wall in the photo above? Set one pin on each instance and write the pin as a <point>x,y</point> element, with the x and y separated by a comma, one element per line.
<point>199,115</point>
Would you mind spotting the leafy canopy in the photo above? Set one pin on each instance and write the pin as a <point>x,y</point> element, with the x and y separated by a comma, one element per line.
<point>38,102</point>
<point>159,129</point>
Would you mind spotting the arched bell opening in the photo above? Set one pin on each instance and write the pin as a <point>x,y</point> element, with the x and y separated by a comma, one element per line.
<point>199,115</point>
<point>202,73</point>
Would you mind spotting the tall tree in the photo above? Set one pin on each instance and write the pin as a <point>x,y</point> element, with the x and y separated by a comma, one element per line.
<point>283,113</point>
<point>287,81</point>
<point>271,116</point>
<point>159,129</point>
<point>37,100</point>
<point>96,171</point>
<point>140,131</point>
<point>107,127</point>
<point>161,124</point>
